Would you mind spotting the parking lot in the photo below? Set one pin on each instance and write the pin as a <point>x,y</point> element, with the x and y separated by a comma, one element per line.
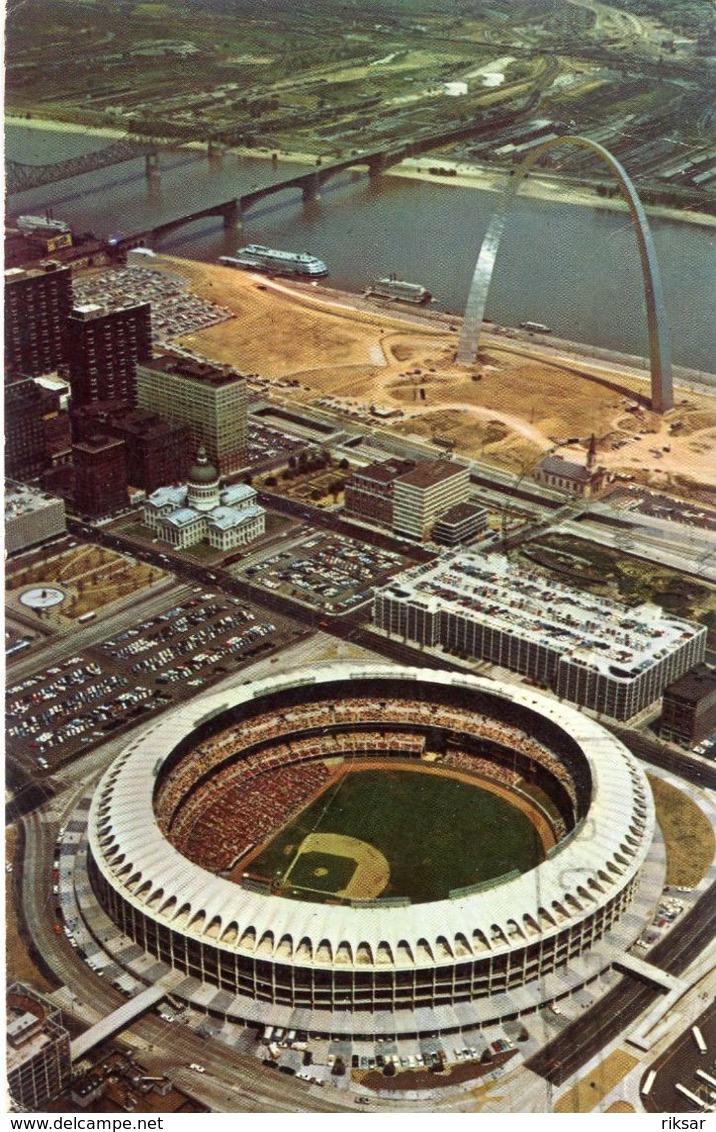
<point>390,1063</point>
<point>138,671</point>
<point>175,309</point>
<point>329,572</point>
<point>269,444</point>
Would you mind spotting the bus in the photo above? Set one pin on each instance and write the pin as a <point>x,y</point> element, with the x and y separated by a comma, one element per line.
<point>648,1082</point>
<point>699,1039</point>
<point>87,617</point>
<point>691,1096</point>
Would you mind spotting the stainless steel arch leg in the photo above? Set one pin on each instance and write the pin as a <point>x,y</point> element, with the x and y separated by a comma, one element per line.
<point>662,393</point>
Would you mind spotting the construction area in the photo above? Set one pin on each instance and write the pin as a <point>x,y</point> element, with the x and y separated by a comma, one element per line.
<point>521,400</point>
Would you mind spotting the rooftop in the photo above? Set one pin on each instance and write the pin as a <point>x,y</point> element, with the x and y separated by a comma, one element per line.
<point>587,630</point>
<point>202,372</point>
<point>426,475</point>
<point>695,685</point>
<point>22,500</point>
<point>97,443</point>
<point>143,422</point>
<point>17,274</point>
<point>227,517</point>
<point>386,471</point>
<point>88,311</point>
<point>184,517</point>
<point>462,511</point>
<point>558,466</point>
<point>176,496</point>
<point>237,493</point>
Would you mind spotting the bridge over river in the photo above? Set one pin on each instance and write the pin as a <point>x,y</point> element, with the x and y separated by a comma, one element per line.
<point>308,184</point>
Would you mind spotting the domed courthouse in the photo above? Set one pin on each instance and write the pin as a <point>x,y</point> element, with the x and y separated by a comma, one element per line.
<point>369,850</point>
<point>202,510</point>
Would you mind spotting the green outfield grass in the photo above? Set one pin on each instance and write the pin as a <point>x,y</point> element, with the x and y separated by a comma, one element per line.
<point>436,832</point>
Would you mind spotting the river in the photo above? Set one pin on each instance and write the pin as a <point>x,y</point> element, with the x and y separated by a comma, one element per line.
<point>573,267</point>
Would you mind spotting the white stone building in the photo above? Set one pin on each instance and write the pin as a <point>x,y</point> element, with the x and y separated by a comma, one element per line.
<point>201,510</point>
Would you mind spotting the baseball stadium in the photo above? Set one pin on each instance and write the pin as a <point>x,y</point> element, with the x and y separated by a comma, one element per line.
<point>372,849</point>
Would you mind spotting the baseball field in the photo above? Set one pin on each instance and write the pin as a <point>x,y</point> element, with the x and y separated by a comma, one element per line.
<point>387,832</point>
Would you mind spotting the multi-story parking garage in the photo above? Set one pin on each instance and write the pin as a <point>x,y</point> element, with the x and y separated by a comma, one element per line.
<point>330,940</point>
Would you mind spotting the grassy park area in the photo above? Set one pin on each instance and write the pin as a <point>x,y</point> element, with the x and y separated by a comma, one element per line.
<point>90,577</point>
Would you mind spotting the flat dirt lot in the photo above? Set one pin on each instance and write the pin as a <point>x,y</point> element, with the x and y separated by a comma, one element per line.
<point>510,408</point>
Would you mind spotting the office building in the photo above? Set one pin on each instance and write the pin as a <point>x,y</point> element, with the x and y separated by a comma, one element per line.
<point>25,440</point>
<point>31,516</point>
<point>158,452</point>
<point>459,524</point>
<point>100,476</point>
<point>38,1049</point>
<point>210,399</point>
<point>56,418</point>
<point>37,304</point>
<point>369,491</point>
<point>588,650</point>
<point>424,494</point>
<point>688,713</point>
<point>104,348</point>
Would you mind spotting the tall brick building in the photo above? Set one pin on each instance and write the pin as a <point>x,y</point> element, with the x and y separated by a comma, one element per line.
<point>158,452</point>
<point>25,441</point>
<point>104,348</point>
<point>100,476</point>
<point>369,491</point>
<point>689,707</point>
<point>38,302</point>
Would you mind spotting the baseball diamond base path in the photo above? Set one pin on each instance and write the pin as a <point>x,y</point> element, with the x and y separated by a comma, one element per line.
<point>371,874</point>
<point>507,409</point>
<point>372,871</point>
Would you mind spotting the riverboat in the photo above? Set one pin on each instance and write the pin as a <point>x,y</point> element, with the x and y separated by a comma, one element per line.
<point>273,261</point>
<point>399,289</point>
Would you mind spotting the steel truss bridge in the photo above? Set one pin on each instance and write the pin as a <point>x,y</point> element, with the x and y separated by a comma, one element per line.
<point>20,177</point>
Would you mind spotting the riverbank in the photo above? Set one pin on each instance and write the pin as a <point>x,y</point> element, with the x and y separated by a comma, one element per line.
<point>539,186</point>
<point>321,347</point>
<point>54,126</point>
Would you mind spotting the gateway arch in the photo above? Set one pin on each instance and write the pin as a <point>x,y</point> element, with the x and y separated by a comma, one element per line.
<point>662,394</point>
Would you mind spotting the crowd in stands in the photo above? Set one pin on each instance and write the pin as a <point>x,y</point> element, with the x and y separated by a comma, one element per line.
<point>252,776</point>
<point>244,810</point>
<point>492,771</point>
<point>486,768</point>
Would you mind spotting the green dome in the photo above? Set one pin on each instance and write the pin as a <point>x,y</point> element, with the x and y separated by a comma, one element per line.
<point>202,471</point>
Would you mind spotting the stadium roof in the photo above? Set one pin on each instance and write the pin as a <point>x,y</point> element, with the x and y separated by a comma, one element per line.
<point>603,853</point>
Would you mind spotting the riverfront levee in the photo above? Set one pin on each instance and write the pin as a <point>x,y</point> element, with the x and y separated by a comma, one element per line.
<point>557,264</point>
<point>326,348</point>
